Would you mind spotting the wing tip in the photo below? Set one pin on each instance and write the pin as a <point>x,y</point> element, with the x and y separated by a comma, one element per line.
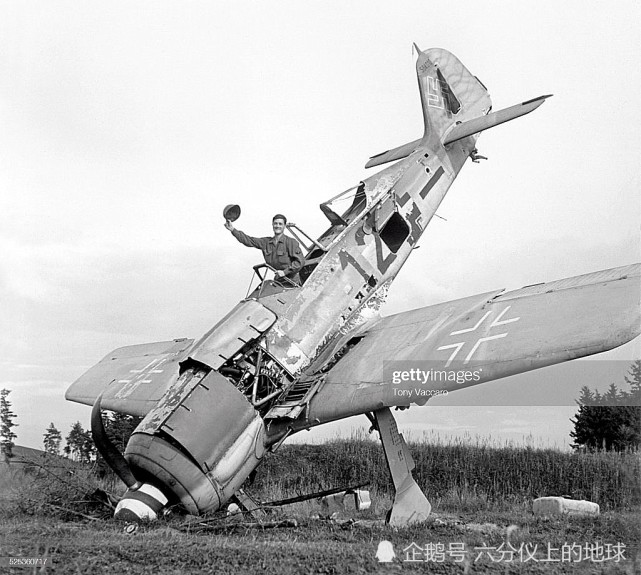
<point>540,99</point>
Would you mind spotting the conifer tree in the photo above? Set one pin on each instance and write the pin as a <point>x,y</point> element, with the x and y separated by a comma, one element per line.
<point>610,421</point>
<point>633,379</point>
<point>79,446</point>
<point>6,426</point>
<point>52,439</point>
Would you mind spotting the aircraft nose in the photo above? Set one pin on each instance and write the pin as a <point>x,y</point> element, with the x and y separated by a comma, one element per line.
<point>199,443</point>
<point>144,503</point>
<point>168,467</point>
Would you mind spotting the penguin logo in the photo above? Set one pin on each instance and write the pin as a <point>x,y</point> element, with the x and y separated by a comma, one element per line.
<point>385,552</point>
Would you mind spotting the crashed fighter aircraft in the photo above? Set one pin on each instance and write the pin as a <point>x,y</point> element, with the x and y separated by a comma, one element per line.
<point>289,357</point>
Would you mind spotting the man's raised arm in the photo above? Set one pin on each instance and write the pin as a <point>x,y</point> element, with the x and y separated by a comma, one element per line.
<point>243,238</point>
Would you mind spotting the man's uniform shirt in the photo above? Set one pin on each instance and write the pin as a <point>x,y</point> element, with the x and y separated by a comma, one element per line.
<point>283,253</point>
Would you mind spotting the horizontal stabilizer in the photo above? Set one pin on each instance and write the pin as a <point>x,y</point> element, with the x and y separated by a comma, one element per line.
<point>392,155</point>
<point>465,129</point>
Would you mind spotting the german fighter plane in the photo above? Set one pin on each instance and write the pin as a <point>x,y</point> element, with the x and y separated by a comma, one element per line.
<point>292,356</point>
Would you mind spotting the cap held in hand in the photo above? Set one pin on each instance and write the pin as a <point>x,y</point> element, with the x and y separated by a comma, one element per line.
<point>231,212</point>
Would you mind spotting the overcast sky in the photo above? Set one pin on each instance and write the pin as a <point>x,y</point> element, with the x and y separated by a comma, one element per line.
<point>125,127</point>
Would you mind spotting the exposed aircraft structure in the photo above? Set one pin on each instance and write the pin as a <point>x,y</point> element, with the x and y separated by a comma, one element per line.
<point>289,357</point>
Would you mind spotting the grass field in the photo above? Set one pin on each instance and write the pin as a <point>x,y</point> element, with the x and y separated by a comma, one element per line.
<point>482,521</point>
<point>462,476</point>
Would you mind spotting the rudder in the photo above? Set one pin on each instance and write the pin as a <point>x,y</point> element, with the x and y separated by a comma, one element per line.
<point>450,94</point>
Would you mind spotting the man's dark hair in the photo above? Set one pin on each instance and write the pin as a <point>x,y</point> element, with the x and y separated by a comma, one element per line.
<point>279,217</point>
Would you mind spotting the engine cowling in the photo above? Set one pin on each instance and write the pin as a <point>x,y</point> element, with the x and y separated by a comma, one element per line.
<point>205,435</point>
<point>199,443</point>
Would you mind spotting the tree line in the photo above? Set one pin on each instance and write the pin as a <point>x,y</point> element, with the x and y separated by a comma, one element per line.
<point>79,444</point>
<point>610,421</point>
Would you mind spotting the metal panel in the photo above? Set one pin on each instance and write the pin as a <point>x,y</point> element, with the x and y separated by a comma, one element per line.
<point>209,419</point>
<point>384,211</point>
<point>245,322</point>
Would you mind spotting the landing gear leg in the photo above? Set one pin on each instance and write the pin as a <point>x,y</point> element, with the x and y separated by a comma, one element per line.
<point>410,504</point>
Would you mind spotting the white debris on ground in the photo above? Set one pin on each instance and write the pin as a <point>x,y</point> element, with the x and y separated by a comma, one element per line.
<point>358,499</point>
<point>563,506</point>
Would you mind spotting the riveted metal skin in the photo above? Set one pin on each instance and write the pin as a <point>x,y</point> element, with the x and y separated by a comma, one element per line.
<point>169,444</point>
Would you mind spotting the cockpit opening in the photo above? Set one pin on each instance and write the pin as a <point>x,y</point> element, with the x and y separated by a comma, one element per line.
<point>339,216</point>
<point>264,282</point>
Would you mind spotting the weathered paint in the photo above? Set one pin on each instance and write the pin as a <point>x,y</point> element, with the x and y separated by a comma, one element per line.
<point>247,321</point>
<point>204,436</point>
<point>215,425</point>
<point>413,188</point>
<point>495,334</point>
<point>133,378</point>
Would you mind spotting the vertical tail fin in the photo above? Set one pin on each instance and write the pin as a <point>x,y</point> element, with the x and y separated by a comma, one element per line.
<point>450,94</point>
<point>456,105</point>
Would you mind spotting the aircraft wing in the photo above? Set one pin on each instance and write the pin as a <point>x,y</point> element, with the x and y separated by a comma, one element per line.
<point>491,335</point>
<point>133,378</point>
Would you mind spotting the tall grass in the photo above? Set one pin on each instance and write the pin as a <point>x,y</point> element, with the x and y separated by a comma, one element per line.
<point>458,474</point>
<point>54,486</point>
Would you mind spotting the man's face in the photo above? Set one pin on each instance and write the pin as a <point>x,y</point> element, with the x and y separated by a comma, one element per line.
<point>278,225</point>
